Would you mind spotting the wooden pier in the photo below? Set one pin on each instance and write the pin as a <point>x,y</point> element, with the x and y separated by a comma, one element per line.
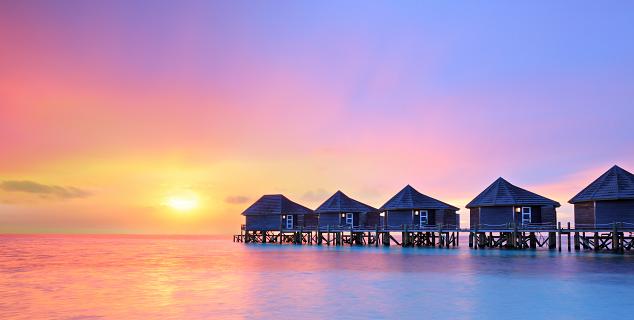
<point>615,238</point>
<point>336,236</point>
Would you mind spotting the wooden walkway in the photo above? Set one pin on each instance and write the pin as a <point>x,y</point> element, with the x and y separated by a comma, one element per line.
<point>614,238</point>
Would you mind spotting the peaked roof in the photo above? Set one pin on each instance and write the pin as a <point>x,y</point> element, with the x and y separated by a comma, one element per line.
<point>503,193</point>
<point>616,183</point>
<point>410,198</point>
<point>339,202</point>
<point>275,204</point>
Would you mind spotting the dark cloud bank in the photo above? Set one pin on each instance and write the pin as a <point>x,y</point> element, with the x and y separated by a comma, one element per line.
<point>43,190</point>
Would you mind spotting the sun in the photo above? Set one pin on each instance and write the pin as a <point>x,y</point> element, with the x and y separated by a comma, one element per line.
<point>180,203</point>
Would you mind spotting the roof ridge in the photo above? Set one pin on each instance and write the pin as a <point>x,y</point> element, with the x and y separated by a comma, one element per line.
<point>496,189</point>
<point>511,189</point>
<point>502,192</point>
<point>618,186</point>
<point>604,179</point>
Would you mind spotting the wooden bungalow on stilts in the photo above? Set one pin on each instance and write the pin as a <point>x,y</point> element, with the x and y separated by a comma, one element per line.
<point>410,207</point>
<point>502,205</point>
<point>607,202</point>
<point>276,213</point>
<point>341,211</point>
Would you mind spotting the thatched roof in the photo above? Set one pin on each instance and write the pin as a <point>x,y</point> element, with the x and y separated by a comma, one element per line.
<point>275,204</point>
<point>614,184</point>
<point>503,193</point>
<point>339,202</point>
<point>410,198</point>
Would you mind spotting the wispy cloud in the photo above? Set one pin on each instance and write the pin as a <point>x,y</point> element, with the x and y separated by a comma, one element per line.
<point>236,199</point>
<point>315,195</point>
<point>43,190</point>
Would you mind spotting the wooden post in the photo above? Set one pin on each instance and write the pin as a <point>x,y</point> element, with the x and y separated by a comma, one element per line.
<point>577,246</point>
<point>532,240</point>
<point>328,234</point>
<point>376,235</point>
<point>615,239</point>
<point>404,237</point>
<point>596,241</point>
<point>569,236</point>
<point>352,238</point>
<point>441,239</point>
<point>559,235</point>
<point>621,241</point>
<point>552,241</point>
<point>386,238</point>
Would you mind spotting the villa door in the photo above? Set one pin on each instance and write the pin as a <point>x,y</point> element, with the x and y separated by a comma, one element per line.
<point>424,218</point>
<point>350,219</point>
<point>289,221</point>
<point>526,215</point>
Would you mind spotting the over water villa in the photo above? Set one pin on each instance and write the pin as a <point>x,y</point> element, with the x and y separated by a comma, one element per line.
<point>342,211</point>
<point>410,207</point>
<point>501,216</point>
<point>609,199</point>
<point>503,204</point>
<point>276,212</point>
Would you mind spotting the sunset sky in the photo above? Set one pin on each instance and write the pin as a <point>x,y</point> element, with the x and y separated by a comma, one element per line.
<point>111,111</point>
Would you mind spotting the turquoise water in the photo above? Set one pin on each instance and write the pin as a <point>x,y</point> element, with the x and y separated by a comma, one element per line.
<point>113,277</point>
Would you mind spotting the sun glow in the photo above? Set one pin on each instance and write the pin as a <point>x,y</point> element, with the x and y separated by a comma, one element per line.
<point>182,203</point>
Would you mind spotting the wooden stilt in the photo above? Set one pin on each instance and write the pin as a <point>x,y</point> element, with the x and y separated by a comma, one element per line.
<point>552,241</point>
<point>376,236</point>
<point>559,235</point>
<point>615,239</point>
<point>569,237</point>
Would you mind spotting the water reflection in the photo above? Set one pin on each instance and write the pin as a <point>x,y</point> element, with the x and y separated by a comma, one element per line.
<point>82,277</point>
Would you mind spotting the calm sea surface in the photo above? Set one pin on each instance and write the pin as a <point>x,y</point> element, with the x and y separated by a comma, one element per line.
<point>122,277</point>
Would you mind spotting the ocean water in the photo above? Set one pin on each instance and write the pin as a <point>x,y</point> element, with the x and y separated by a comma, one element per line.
<point>149,277</point>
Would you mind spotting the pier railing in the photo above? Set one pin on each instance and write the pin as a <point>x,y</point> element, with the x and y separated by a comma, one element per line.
<point>519,227</point>
<point>516,226</point>
<point>369,228</point>
<point>621,226</point>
